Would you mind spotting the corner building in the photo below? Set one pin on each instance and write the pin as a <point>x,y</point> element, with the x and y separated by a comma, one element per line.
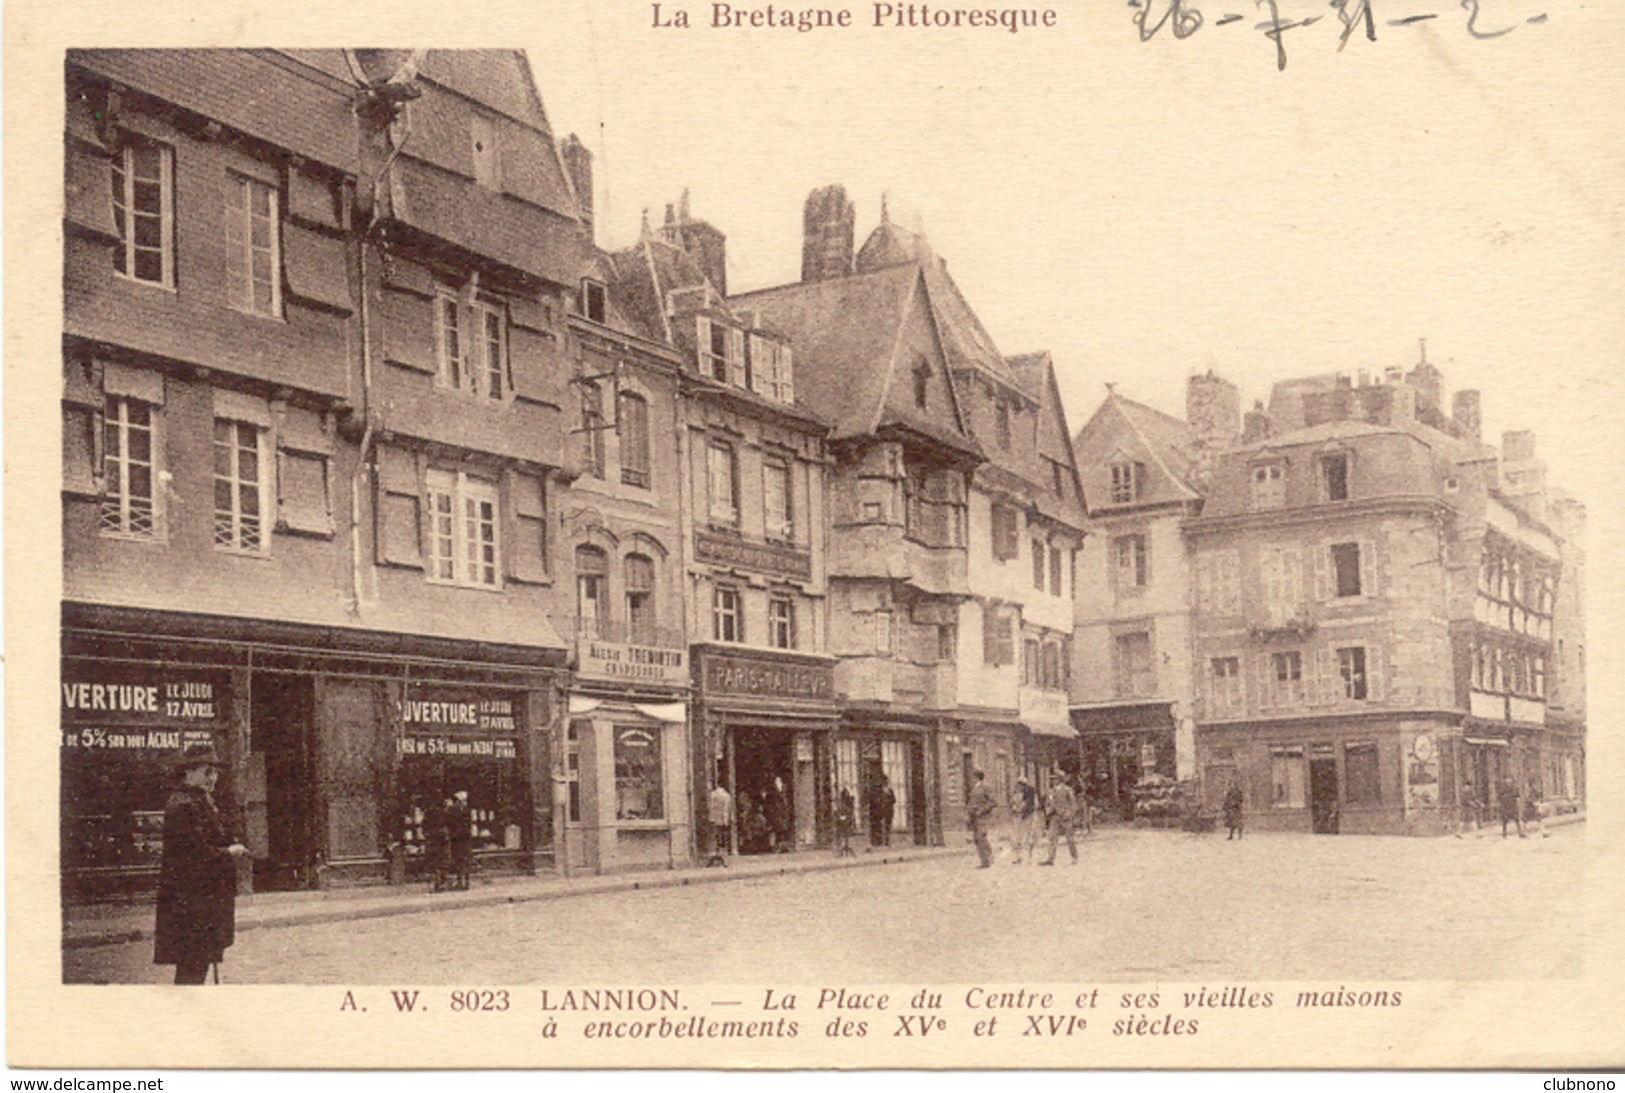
<point>312,403</point>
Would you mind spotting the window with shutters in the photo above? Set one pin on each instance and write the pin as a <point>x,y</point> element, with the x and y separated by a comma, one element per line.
<point>448,336</point>
<point>1225,687</point>
<point>1054,571</point>
<point>1345,561</point>
<point>129,468</point>
<point>241,487</point>
<point>1269,486</point>
<point>1006,528</point>
<point>144,211</point>
<point>778,510</point>
<point>727,614</point>
<point>491,322</point>
<point>1285,685</point>
<point>253,247</point>
<point>781,622</point>
<point>1132,563</point>
<point>1029,661</point>
<point>998,643</point>
<point>592,592</point>
<point>594,299</point>
<point>1286,777</point>
<point>722,481</point>
<point>1049,667</point>
<point>714,346</point>
<point>1364,782</point>
<point>1040,557</point>
<point>1351,667</point>
<point>633,424</point>
<point>1135,674</point>
<point>464,544</point>
<point>640,599</point>
<point>1281,577</point>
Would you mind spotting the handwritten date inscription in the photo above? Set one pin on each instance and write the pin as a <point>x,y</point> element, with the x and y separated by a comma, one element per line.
<point>1182,18</point>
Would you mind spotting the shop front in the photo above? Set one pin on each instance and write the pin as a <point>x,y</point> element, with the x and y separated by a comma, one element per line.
<point>997,748</point>
<point>765,731</point>
<point>1128,757</point>
<point>339,745</point>
<point>626,803</point>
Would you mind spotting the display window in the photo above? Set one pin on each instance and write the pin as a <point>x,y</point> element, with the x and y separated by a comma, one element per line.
<point>639,774</point>
<point>457,740</point>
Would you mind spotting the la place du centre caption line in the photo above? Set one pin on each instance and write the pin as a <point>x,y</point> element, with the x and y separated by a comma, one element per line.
<point>720,16</point>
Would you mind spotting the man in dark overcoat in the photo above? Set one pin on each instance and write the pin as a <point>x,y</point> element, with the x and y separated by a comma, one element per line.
<point>197,876</point>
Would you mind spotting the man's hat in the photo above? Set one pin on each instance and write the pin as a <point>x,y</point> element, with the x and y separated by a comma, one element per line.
<point>1021,780</point>
<point>461,795</point>
<point>198,755</point>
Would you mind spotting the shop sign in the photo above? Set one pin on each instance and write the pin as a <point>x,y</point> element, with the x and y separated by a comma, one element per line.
<point>1044,709</point>
<point>101,737</point>
<point>141,696</point>
<point>432,712</point>
<point>741,675</point>
<point>727,550</point>
<point>1422,773</point>
<point>458,747</point>
<point>636,663</point>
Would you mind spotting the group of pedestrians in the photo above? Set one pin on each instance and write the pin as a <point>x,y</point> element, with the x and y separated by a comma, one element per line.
<point>1055,813</point>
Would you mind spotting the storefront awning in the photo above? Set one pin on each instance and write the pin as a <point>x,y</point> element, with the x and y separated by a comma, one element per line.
<point>1486,741</point>
<point>672,712</point>
<point>1042,728</point>
<point>1122,717</point>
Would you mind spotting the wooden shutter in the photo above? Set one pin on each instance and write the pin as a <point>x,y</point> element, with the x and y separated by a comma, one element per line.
<point>1264,691</point>
<point>1368,567</point>
<point>526,554</point>
<point>787,376</point>
<point>1374,674</point>
<point>398,517</point>
<point>736,357</point>
<point>761,365</point>
<point>702,344</point>
<point>1326,684</point>
<point>1323,572</point>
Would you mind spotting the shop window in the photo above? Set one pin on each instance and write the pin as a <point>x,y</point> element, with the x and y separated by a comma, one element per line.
<point>1351,667</point>
<point>1286,777</point>
<point>722,478</point>
<point>894,762</point>
<point>448,337</point>
<point>1054,571</point>
<point>1364,785</point>
<point>592,591</point>
<point>128,468</point>
<point>144,211</point>
<point>1286,679</point>
<point>463,538</point>
<point>1224,686</point>
<point>1334,477</point>
<point>572,771</point>
<point>1039,557</point>
<point>1133,562</point>
<point>640,599</point>
<point>846,779</point>
<point>1126,481</point>
<point>781,622</point>
<point>638,775</point>
<point>1136,676</point>
<point>779,515</point>
<point>727,615</point>
<point>592,429</point>
<point>241,486</point>
<point>1269,487</point>
<point>633,422</point>
<point>1346,569</point>
<point>253,247</point>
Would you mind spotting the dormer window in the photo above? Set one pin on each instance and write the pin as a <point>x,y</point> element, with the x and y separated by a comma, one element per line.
<point>1126,479</point>
<point>594,299</point>
<point>1334,477</point>
<point>1269,486</point>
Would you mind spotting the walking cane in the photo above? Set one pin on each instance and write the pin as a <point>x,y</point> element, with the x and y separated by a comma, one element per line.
<point>216,966</point>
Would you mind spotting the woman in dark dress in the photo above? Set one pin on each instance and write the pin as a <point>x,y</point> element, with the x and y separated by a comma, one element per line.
<point>1232,811</point>
<point>197,876</point>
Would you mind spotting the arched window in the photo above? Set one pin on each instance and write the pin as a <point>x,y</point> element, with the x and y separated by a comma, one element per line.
<point>634,428</point>
<point>640,599</point>
<point>592,591</point>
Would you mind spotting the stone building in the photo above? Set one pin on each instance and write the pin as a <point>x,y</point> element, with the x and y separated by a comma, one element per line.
<point>333,308</point>
<point>1374,612</point>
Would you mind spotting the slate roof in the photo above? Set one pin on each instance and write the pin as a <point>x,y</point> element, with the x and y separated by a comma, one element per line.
<point>1164,443</point>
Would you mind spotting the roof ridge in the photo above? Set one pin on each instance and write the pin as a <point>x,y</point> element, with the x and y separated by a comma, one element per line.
<point>1177,480</point>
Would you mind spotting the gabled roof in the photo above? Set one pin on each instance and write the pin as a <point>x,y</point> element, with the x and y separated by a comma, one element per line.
<point>1036,374</point>
<point>1161,441</point>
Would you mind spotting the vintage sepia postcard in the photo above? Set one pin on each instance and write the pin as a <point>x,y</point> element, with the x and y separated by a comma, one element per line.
<point>620,534</point>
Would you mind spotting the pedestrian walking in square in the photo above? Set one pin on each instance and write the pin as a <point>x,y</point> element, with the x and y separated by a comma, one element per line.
<point>1511,811</point>
<point>1062,806</point>
<point>882,802</point>
<point>1234,804</point>
<point>197,874</point>
<point>845,813</point>
<point>1025,810</point>
<point>979,808</point>
<point>460,836</point>
<point>720,813</point>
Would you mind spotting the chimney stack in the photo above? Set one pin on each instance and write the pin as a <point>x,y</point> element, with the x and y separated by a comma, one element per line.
<point>1257,424</point>
<point>578,164</point>
<point>703,242</point>
<point>1517,446</point>
<point>1213,409</point>
<point>1468,410</point>
<point>827,222</point>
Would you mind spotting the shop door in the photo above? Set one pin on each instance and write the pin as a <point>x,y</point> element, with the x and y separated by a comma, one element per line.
<point>348,765</point>
<point>806,789</point>
<point>279,799</point>
<point>1323,796</point>
<point>916,799</point>
<point>764,776</point>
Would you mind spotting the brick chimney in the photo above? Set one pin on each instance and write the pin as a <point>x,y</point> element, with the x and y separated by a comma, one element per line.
<point>1468,410</point>
<point>826,234</point>
<point>578,163</point>
<point>1256,426</point>
<point>1213,409</point>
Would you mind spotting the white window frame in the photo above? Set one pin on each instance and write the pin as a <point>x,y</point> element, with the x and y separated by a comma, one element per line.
<point>722,511</point>
<point>727,604</point>
<point>124,202</point>
<point>493,379</point>
<point>448,495</point>
<point>1125,484</point>
<point>1351,679</point>
<point>452,369</point>
<point>241,250</point>
<point>1225,692</point>
<point>781,622</point>
<point>117,500</point>
<point>779,526</point>
<point>235,517</point>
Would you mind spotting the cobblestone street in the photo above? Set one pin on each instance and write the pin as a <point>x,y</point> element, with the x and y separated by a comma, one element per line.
<point>1140,906</point>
